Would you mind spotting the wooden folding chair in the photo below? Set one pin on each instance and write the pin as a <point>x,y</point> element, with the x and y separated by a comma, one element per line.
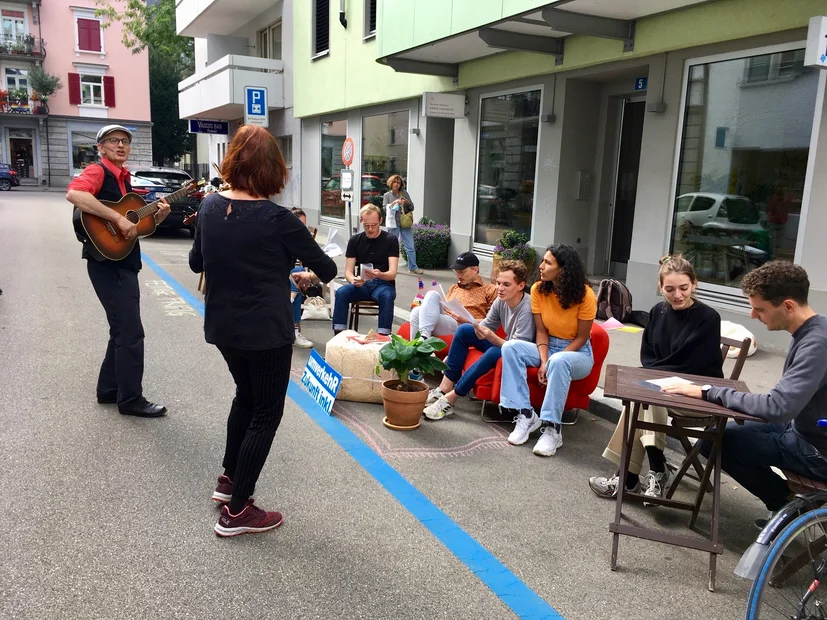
<point>680,421</point>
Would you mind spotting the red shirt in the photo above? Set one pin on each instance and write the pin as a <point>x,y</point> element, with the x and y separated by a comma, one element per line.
<point>91,179</point>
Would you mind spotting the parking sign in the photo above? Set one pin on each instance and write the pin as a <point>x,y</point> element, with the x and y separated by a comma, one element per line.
<point>256,111</point>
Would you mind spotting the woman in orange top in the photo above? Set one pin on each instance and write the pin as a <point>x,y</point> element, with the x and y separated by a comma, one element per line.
<point>564,307</point>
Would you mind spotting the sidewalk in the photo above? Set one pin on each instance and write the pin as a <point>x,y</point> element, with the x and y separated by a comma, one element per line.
<point>760,373</point>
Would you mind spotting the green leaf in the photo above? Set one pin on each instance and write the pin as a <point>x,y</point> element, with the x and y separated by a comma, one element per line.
<point>437,343</point>
<point>405,353</point>
<point>425,348</point>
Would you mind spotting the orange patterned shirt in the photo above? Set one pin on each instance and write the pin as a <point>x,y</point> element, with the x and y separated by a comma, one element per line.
<point>477,297</point>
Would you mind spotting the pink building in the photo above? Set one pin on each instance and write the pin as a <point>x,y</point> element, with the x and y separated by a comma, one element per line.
<point>103,83</point>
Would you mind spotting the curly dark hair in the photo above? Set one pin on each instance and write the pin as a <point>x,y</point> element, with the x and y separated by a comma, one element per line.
<point>776,281</point>
<point>572,281</point>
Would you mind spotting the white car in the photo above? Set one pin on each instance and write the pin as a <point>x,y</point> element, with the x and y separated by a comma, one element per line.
<point>717,212</point>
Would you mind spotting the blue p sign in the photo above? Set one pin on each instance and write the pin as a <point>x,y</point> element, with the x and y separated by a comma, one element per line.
<point>256,111</point>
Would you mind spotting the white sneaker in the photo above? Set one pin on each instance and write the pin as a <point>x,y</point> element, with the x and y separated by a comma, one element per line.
<point>434,395</point>
<point>524,427</point>
<point>549,441</point>
<point>655,485</point>
<point>302,342</point>
<point>439,409</point>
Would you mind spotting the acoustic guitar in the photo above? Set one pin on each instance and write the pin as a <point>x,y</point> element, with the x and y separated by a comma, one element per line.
<point>107,237</point>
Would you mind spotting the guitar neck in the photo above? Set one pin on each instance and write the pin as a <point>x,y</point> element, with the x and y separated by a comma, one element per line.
<point>152,207</point>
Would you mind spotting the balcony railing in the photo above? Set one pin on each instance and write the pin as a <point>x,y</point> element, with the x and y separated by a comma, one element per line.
<point>26,45</point>
<point>21,105</point>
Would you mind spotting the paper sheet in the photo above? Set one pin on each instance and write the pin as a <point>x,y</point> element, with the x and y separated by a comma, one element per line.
<point>332,248</point>
<point>457,308</point>
<point>668,381</point>
<point>362,273</point>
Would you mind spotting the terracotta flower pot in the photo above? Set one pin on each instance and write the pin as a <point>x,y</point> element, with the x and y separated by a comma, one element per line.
<point>403,410</point>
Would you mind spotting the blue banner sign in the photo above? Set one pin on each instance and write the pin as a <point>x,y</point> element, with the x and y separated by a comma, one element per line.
<point>221,128</point>
<point>321,381</point>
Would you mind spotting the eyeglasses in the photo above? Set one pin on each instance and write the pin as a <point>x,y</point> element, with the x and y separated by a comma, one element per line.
<point>117,141</point>
<point>371,225</point>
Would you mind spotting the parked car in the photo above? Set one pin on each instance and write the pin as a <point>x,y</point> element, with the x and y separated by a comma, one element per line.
<point>155,183</point>
<point>8,177</point>
<point>713,213</point>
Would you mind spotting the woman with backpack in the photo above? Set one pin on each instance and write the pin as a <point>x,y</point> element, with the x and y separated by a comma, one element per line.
<point>683,336</point>
<point>564,307</point>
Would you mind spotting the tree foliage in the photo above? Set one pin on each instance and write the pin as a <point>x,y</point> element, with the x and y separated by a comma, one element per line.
<point>171,58</point>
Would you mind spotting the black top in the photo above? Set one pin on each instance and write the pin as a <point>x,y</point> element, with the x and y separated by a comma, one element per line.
<point>376,251</point>
<point>687,341</point>
<point>246,258</point>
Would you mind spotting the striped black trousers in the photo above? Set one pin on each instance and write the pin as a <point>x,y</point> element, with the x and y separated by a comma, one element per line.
<point>261,380</point>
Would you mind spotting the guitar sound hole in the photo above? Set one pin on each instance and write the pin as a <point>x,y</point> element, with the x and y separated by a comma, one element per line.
<point>132,217</point>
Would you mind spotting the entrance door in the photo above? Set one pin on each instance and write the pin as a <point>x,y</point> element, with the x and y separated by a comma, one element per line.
<point>21,151</point>
<point>628,164</point>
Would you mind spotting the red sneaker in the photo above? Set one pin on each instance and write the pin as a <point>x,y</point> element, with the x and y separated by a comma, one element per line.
<point>223,490</point>
<point>251,520</point>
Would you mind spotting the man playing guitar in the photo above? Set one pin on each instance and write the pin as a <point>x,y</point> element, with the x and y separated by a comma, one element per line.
<point>116,282</point>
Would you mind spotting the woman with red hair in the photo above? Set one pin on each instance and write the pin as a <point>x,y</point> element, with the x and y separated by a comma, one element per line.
<point>247,246</point>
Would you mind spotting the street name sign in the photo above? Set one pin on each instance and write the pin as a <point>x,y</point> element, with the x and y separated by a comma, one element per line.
<point>221,128</point>
<point>256,111</point>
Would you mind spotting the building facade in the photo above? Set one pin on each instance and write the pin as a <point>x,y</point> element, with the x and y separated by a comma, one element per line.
<point>238,45</point>
<point>628,130</point>
<point>103,82</point>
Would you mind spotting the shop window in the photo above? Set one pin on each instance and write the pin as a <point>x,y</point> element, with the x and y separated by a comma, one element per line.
<point>321,26</point>
<point>333,137</point>
<point>507,166</point>
<point>743,163</point>
<point>384,153</point>
<point>84,150</point>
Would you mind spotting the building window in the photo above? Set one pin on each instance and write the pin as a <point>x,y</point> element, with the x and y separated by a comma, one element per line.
<point>321,26</point>
<point>742,163</point>
<point>269,42</point>
<point>333,137</point>
<point>384,153</point>
<point>17,79</point>
<point>84,150</point>
<point>370,18</point>
<point>91,89</point>
<point>286,148</point>
<point>14,24</point>
<point>88,33</point>
<point>507,167</point>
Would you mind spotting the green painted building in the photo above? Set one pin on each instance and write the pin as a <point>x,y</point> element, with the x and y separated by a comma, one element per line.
<point>629,130</point>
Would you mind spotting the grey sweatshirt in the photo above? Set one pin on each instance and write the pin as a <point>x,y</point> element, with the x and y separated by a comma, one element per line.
<point>800,395</point>
<point>519,328</point>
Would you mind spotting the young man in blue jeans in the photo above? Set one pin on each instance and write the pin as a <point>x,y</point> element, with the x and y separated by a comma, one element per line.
<point>376,247</point>
<point>790,439</point>
<point>512,310</point>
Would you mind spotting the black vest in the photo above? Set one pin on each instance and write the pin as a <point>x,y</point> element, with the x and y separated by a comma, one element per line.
<point>110,190</point>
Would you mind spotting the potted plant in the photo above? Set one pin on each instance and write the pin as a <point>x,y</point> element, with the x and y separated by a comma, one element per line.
<point>4,99</point>
<point>28,44</point>
<point>404,399</point>
<point>45,84</point>
<point>513,245</point>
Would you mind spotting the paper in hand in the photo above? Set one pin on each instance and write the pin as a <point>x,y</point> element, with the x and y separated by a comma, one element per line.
<point>457,308</point>
<point>366,266</point>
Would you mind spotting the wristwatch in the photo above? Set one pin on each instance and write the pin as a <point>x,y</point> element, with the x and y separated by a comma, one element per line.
<point>705,391</point>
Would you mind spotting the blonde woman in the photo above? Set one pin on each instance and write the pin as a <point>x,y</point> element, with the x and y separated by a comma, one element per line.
<point>396,202</point>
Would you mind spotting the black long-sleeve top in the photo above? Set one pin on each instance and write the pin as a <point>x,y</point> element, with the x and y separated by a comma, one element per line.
<point>685,341</point>
<point>246,257</point>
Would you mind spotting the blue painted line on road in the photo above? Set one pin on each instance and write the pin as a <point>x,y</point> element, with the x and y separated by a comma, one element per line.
<point>521,599</point>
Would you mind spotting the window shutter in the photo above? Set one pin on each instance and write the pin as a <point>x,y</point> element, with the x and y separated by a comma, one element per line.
<point>371,16</point>
<point>95,35</point>
<point>83,34</point>
<point>109,91</point>
<point>74,89</point>
<point>321,26</point>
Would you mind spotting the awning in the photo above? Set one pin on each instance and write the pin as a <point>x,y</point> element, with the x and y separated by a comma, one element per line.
<point>541,31</point>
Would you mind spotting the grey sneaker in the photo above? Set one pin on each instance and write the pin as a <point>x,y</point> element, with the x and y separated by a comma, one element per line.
<point>655,485</point>
<point>302,342</point>
<point>607,486</point>
<point>439,409</point>
<point>434,395</point>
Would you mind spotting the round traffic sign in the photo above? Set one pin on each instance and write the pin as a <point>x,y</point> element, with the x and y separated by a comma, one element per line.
<point>347,152</point>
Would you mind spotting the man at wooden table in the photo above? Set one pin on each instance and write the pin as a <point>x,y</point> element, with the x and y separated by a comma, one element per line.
<point>792,439</point>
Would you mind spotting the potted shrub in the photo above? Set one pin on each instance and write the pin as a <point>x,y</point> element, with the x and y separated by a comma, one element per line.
<point>45,84</point>
<point>513,246</point>
<point>28,44</point>
<point>404,399</point>
<point>432,242</point>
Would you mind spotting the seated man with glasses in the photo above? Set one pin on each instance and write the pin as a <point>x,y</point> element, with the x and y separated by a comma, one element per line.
<point>373,247</point>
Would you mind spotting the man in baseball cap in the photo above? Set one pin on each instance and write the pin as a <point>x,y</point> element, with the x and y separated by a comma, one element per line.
<point>465,260</point>
<point>116,282</point>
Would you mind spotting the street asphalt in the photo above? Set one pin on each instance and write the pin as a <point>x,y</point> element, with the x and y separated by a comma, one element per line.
<point>110,516</point>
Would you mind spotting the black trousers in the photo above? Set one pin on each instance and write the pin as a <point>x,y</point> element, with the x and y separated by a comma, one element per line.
<point>122,370</point>
<point>261,379</point>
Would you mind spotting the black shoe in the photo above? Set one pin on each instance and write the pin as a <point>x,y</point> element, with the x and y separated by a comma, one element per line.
<point>143,409</point>
<point>107,400</point>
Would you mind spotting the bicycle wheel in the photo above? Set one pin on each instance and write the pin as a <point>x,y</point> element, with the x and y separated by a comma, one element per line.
<point>788,585</point>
